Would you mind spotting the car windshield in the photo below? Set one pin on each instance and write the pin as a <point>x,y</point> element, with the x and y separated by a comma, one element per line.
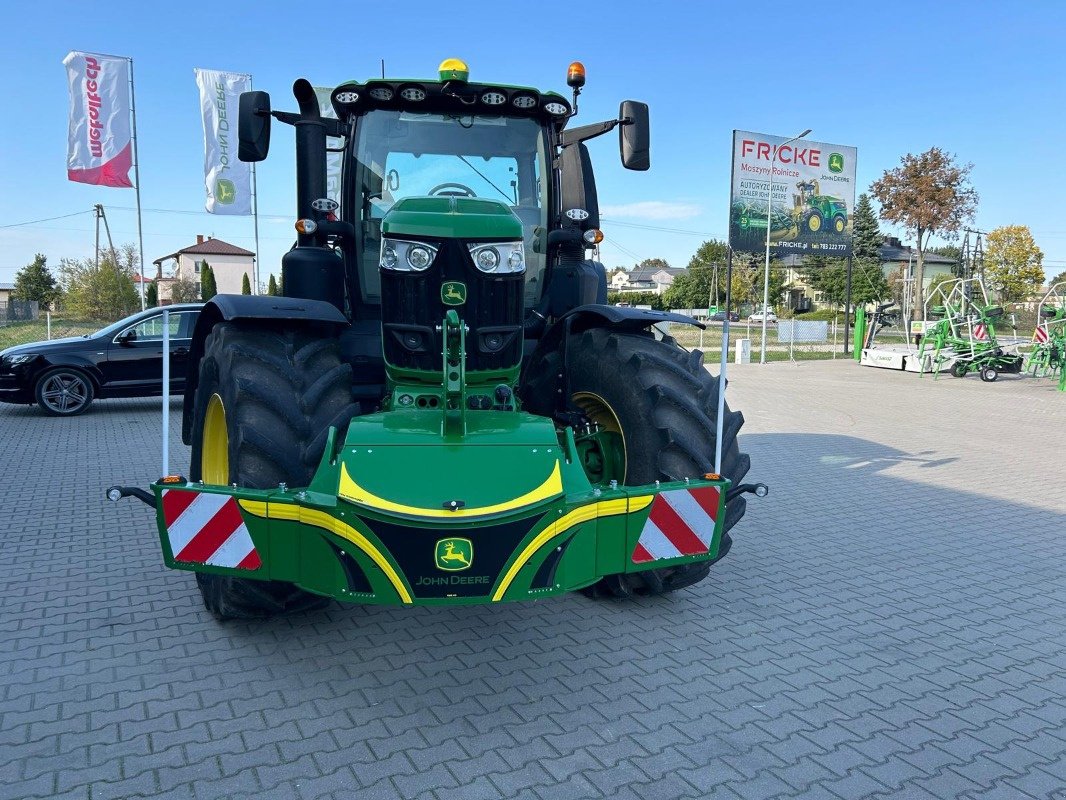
<point>401,154</point>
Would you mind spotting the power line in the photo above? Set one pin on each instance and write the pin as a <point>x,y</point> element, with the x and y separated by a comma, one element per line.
<point>46,219</point>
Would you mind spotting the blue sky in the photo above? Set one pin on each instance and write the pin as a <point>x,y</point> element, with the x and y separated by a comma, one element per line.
<point>983,81</point>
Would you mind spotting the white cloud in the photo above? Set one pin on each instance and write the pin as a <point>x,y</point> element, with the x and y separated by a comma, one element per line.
<point>652,209</point>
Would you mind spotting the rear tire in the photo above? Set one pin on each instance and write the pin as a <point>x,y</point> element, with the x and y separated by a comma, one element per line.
<point>281,390</point>
<point>989,374</point>
<point>959,369</point>
<point>665,403</point>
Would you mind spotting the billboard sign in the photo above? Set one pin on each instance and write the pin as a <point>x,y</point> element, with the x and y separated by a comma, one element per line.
<point>813,206</point>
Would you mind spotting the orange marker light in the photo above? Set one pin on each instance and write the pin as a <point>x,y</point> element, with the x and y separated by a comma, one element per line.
<point>172,479</point>
<point>575,75</point>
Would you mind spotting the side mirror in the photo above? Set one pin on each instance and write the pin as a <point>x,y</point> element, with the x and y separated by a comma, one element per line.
<point>253,126</point>
<point>634,135</point>
<point>128,338</point>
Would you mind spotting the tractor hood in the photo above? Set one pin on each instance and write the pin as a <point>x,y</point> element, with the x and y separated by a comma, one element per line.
<point>399,464</point>
<point>452,218</point>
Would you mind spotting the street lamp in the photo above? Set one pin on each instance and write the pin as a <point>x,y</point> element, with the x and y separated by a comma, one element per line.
<point>766,274</point>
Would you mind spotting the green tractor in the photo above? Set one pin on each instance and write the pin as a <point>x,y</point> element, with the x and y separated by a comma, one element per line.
<point>815,211</point>
<point>443,409</point>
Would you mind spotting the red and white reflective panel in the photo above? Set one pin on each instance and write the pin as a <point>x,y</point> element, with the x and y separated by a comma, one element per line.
<point>681,523</point>
<point>980,331</point>
<point>208,529</point>
<point>1040,335</point>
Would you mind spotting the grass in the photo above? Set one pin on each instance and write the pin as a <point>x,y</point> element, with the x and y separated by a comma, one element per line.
<point>37,331</point>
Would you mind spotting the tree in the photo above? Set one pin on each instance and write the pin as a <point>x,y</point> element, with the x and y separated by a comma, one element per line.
<point>867,241</point>
<point>828,277</point>
<point>1060,278</point>
<point>1013,263</point>
<point>104,292</point>
<point>272,286</point>
<point>151,295</point>
<point>927,194</point>
<point>246,285</point>
<point>208,287</point>
<point>696,286</point>
<point>868,281</point>
<point>183,291</point>
<point>36,282</point>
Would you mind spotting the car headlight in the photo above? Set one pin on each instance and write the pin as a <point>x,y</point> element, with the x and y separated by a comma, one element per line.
<point>399,255</point>
<point>498,257</point>
<point>19,358</point>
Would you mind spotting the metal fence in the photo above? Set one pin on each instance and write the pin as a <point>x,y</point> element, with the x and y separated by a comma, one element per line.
<point>18,311</point>
<point>786,340</point>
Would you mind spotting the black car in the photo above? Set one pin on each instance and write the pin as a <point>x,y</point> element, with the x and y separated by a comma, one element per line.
<point>720,317</point>
<point>124,359</point>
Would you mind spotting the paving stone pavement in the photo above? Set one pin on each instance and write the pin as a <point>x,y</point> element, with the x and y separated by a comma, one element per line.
<point>889,624</point>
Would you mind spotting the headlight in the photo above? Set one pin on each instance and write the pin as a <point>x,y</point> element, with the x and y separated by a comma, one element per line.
<point>498,257</point>
<point>19,358</point>
<point>402,256</point>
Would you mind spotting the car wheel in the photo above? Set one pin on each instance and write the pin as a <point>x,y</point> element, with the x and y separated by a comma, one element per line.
<point>63,392</point>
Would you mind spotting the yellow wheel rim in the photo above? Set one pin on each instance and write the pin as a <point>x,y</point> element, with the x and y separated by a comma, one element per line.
<point>814,223</point>
<point>840,226</point>
<point>599,411</point>
<point>214,449</point>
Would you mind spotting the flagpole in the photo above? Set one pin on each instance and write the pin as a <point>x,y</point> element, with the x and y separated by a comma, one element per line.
<point>255,215</point>
<point>137,178</point>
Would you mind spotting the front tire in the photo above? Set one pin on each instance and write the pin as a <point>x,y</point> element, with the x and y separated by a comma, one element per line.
<point>263,407</point>
<point>989,374</point>
<point>959,369</point>
<point>664,405</point>
<point>64,392</point>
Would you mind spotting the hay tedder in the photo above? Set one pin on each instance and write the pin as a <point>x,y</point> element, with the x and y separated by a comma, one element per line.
<point>443,409</point>
<point>960,329</point>
<point>1047,358</point>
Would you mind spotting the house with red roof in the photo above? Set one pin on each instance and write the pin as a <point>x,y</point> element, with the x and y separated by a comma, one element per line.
<point>228,261</point>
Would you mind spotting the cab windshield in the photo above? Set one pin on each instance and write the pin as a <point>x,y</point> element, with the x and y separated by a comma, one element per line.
<point>400,154</point>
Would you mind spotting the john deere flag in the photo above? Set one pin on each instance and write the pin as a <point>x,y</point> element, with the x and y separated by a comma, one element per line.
<point>228,180</point>
<point>99,149</point>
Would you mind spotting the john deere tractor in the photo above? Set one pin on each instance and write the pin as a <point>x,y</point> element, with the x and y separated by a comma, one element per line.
<point>443,409</point>
<point>816,211</point>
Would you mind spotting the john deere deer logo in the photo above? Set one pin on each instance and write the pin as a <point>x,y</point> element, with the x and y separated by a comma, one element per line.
<point>836,162</point>
<point>454,554</point>
<point>453,293</point>
<point>225,191</point>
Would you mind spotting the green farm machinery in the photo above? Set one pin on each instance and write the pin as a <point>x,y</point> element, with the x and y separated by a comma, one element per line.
<point>443,409</point>
<point>961,331</point>
<point>1047,358</point>
<point>816,212</point>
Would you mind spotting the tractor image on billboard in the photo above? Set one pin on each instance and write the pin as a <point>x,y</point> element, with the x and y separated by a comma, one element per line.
<point>816,212</point>
<point>443,409</point>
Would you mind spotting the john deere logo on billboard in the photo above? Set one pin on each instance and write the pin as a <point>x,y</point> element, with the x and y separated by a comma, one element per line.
<point>813,195</point>
<point>225,191</point>
<point>453,293</point>
<point>454,554</point>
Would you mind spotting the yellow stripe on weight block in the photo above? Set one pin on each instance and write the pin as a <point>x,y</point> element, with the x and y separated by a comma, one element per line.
<point>605,508</point>
<point>320,519</point>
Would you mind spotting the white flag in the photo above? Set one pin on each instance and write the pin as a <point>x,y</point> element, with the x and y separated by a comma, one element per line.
<point>99,149</point>
<point>228,180</point>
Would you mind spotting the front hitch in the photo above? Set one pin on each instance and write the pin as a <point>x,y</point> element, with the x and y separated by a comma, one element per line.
<point>116,493</point>
<point>757,489</point>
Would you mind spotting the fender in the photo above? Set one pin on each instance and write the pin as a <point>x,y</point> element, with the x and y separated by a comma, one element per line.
<point>248,308</point>
<point>619,318</point>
